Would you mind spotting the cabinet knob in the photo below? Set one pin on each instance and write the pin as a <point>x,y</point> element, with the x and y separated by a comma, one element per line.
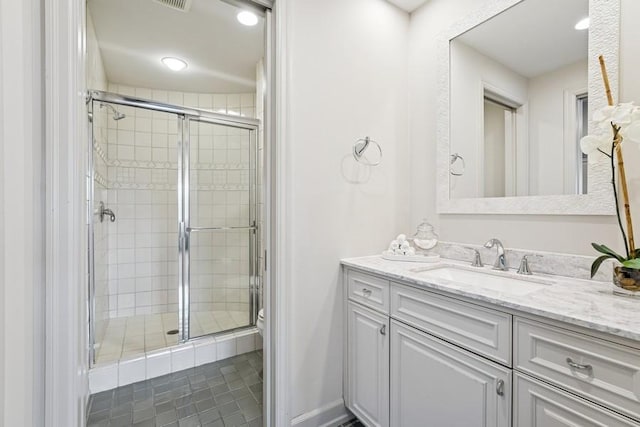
<point>366,292</point>
<point>383,330</point>
<point>500,388</point>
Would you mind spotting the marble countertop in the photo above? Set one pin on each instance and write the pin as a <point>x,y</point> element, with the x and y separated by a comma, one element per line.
<point>587,303</point>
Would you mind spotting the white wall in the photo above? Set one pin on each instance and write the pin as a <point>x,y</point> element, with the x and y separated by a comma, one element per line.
<point>2,227</point>
<point>22,196</point>
<point>96,75</point>
<point>347,80</point>
<point>571,234</point>
<point>630,91</point>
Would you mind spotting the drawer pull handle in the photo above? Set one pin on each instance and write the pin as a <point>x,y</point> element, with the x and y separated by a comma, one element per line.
<point>500,388</point>
<point>578,366</point>
<point>383,330</point>
<point>366,292</point>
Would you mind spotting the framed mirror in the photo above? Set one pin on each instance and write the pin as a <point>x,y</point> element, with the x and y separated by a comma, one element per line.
<point>518,82</point>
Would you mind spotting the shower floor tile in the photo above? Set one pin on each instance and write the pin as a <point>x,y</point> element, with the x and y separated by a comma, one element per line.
<point>223,393</point>
<point>126,337</point>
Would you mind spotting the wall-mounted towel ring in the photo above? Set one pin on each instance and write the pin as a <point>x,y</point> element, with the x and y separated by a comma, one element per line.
<point>360,149</point>
<point>460,171</point>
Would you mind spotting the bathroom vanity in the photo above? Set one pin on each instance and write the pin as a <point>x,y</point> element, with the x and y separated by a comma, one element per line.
<point>447,344</point>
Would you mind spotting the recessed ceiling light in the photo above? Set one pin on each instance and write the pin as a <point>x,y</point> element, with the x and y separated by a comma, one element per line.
<point>247,18</point>
<point>174,64</point>
<point>583,24</point>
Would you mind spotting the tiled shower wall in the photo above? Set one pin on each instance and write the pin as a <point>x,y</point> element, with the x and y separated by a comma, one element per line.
<point>142,179</point>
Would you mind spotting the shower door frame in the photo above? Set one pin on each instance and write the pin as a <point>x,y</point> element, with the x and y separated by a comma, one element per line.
<point>185,229</point>
<point>184,117</point>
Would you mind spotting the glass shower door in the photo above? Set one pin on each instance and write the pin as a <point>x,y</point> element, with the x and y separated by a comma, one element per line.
<point>220,224</point>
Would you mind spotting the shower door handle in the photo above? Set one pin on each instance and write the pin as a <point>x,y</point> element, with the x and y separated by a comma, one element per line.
<point>182,238</point>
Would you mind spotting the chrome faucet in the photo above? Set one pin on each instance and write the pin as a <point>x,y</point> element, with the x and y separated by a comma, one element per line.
<point>501,260</point>
<point>477,259</point>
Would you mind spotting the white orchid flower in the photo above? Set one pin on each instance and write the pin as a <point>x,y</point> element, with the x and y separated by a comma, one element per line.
<point>626,116</point>
<point>621,114</point>
<point>603,116</point>
<point>632,132</point>
<point>595,146</point>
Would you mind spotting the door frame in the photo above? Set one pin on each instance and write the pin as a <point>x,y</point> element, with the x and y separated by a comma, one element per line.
<point>66,317</point>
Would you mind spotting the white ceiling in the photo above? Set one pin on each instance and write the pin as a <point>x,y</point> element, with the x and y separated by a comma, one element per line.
<point>408,5</point>
<point>134,35</point>
<point>533,37</point>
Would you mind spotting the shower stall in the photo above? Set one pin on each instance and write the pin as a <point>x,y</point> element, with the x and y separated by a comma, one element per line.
<point>173,229</point>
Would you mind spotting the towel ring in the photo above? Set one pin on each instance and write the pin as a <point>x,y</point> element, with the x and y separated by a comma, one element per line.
<point>454,158</point>
<point>361,146</point>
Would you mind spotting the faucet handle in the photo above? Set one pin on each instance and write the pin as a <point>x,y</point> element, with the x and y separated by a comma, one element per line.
<point>524,265</point>
<point>477,259</point>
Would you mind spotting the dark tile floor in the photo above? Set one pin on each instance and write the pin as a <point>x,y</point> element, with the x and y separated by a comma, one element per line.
<point>221,394</point>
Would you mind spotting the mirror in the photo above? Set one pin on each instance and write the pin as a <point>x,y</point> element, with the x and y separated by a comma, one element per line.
<point>519,86</point>
<point>521,83</point>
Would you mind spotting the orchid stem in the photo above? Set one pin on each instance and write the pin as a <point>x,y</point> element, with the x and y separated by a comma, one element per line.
<point>605,153</point>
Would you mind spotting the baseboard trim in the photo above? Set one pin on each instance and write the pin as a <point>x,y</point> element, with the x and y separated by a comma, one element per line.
<point>329,415</point>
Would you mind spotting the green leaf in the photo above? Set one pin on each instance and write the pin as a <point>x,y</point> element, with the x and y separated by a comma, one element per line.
<point>597,263</point>
<point>632,263</point>
<point>607,251</point>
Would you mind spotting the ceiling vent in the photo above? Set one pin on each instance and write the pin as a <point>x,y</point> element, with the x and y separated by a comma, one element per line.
<point>181,5</point>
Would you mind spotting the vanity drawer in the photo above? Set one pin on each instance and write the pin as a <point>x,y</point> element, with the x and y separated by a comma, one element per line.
<point>368,290</point>
<point>601,371</point>
<point>537,404</point>
<point>483,331</point>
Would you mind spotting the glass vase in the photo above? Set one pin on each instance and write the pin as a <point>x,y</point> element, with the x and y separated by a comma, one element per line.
<point>627,281</point>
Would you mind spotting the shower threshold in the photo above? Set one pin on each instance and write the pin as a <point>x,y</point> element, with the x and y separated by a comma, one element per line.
<point>173,358</point>
<point>128,337</point>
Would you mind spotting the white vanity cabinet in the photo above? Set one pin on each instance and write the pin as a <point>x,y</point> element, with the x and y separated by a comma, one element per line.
<point>434,383</point>
<point>415,357</point>
<point>398,374</point>
<point>367,348</point>
<point>601,371</point>
<point>368,365</point>
<point>537,404</point>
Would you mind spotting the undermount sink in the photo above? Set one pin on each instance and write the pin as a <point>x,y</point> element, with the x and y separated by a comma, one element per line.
<point>485,279</point>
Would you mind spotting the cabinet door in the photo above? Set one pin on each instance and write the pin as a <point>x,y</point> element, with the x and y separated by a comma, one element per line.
<point>368,365</point>
<point>434,383</point>
<point>540,405</point>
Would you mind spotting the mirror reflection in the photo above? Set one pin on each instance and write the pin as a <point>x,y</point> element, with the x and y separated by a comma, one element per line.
<point>519,102</point>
